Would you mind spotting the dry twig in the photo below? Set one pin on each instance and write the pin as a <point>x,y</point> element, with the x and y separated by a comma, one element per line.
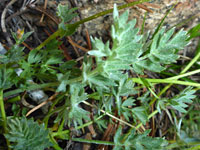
<point>3,25</point>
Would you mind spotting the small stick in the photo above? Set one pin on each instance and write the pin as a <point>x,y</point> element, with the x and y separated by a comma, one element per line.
<point>3,25</point>
<point>78,46</point>
<point>140,6</point>
<point>88,39</point>
<point>77,53</point>
<point>42,104</point>
<point>45,6</point>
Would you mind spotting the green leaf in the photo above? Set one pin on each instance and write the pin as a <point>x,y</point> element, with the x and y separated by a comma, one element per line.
<point>102,124</point>
<point>65,14</point>
<point>27,70</point>
<point>95,78</point>
<point>5,78</point>
<point>161,105</point>
<point>35,56</point>
<point>125,88</point>
<point>180,101</point>
<point>54,60</point>
<point>125,108</point>
<point>27,134</point>
<point>125,46</point>
<point>194,32</point>
<point>163,48</point>
<point>131,51</point>
<point>15,54</point>
<point>63,78</point>
<point>137,141</point>
<point>21,39</point>
<point>71,112</point>
<point>76,113</point>
<point>140,113</point>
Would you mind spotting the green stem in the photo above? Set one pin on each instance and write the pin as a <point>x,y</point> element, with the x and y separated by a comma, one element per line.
<point>195,59</point>
<point>137,80</point>
<point>159,94</point>
<point>184,75</point>
<point>31,87</point>
<point>93,141</point>
<point>51,111</point>
<point>55,145</point>
<point>60,32</point>
<point>163,19</point>
<point>3,114</point>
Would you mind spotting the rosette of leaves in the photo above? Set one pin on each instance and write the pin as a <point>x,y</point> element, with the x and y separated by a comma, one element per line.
<point>27,134</point>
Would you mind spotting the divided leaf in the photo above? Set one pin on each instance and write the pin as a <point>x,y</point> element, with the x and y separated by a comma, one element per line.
<point>27,134</point>
<point>131,51</point>
<point>5,78</point>
<point>125,88</point>
<point>72,112</point>
<point>179,102</point>
<point>65,14</point>
<point>137,141</point>
<point>76,113</point>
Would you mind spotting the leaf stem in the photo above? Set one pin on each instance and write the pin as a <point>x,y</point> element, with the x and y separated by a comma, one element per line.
<point>93,141</point>
<point>137,80</point>
<point>184,75</point>
<point>3,114</point>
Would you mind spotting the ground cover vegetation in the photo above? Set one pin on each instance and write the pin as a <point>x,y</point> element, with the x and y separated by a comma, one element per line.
<point>108,88</point>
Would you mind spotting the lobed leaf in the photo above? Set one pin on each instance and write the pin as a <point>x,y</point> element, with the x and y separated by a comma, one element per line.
<point>180,101</point>
<point>137,141</point>
<point>27,134</point>
<point>131,51</point>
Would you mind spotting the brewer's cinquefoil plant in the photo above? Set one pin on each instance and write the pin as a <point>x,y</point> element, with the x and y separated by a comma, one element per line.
<point>105,80</point>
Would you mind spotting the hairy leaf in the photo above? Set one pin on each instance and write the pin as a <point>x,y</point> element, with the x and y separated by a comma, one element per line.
<point>76,113</point>
<point>124,88</point>
<point>132,51</point>
<point>27,134</point>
